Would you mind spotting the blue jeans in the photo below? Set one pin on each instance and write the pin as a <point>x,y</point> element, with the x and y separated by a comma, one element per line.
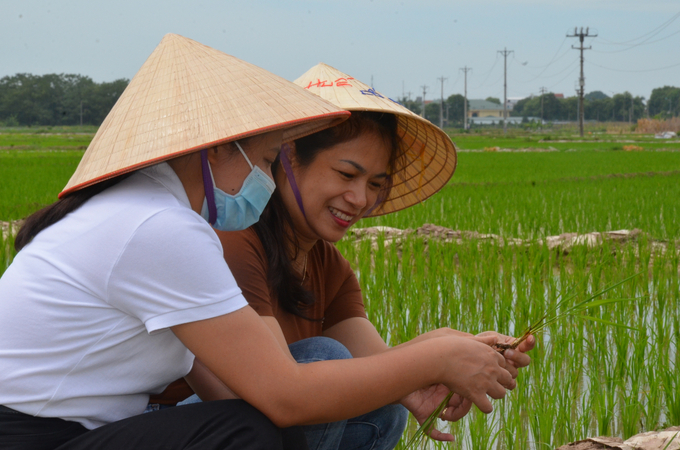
<point>378,430</point>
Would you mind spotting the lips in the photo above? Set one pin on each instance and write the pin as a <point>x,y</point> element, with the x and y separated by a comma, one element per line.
<point>341,217</point>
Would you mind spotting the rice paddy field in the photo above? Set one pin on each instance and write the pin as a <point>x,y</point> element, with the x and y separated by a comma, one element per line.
<point>587,378</point>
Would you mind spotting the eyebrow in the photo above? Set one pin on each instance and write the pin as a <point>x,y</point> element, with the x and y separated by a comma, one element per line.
<point>361,169</point>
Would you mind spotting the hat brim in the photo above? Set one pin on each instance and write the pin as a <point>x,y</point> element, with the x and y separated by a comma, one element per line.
<point>427,157</point>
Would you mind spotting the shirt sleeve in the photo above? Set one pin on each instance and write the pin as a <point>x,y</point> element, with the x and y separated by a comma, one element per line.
<point>246,257</point>
<point>172,271</point>
<point>343,293</point>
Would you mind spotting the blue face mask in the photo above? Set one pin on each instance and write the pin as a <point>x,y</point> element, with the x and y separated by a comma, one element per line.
<point>235,212</point>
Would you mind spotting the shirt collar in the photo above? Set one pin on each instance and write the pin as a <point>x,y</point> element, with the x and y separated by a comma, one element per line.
<point>163,173</point>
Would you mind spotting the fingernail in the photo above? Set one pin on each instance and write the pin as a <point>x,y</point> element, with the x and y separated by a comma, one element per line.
<point>509,353</point>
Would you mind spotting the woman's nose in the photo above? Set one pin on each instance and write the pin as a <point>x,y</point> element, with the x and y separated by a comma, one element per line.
<point>357,197</point>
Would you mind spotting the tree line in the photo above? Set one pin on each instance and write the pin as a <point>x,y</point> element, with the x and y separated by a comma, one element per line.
<point>68,99</point>
<point>662,104</point>
<point>56,99</point>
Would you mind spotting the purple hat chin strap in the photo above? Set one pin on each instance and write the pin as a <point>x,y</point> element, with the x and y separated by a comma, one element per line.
<point>208,187</point>
<point>382,195</point>
<point>285,161</point>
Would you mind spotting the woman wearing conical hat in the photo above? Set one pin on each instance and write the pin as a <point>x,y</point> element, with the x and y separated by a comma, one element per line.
<point>383,159</point>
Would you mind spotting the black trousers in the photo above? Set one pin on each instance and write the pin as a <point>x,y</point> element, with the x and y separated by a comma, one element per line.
<point>223,425</point>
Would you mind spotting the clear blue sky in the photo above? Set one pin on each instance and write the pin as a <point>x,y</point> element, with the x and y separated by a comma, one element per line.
<point>401,44</point>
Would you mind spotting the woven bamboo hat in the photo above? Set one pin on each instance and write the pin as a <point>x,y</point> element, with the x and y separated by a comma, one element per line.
<point>427,154</point>
<point>187,97</point>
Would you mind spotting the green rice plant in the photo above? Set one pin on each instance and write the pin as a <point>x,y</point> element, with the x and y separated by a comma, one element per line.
<point>563,309</point>
<point>671,391</point>
<point>7,251</point>
<point>32,180</point>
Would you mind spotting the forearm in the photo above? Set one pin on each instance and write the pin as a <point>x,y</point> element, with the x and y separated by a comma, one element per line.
<point>357,386</point>
<point>206,384</point>
<point>245,355</point>
<point>257,370</point>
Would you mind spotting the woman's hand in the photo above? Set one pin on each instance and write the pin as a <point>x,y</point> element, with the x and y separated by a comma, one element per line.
<point>477,372</point>
<point>515,358</point>
<point>422,402</point>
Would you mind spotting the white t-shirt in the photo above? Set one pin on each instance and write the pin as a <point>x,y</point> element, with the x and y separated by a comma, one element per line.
<point>85,308</point>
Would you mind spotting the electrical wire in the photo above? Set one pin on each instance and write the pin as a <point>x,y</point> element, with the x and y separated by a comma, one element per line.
<point>557,74</point>
<point>488,74</point>
<point>554,58</point>
<point>637,45</point>
<point>562,79</point>
<point>651,34</point>
<point>632,71</point>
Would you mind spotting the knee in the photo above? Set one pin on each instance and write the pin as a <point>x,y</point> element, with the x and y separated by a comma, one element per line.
<point>395,421</point>
<point>254,430</point>
<point>319,348</point>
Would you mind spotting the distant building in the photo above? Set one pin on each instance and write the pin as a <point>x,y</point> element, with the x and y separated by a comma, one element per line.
<point>493,121</point>
<point>512,101</point>
<point>559,95</point>
<point>483,108</point>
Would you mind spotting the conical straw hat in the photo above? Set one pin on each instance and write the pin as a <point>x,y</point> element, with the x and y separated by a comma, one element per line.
<point>187,97</point>
<point>427,154</point>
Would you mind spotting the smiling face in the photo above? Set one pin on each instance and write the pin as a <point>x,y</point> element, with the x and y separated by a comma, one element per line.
<point>337,188</point>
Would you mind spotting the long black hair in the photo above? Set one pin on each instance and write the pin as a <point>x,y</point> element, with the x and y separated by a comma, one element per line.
<point>275,227</point>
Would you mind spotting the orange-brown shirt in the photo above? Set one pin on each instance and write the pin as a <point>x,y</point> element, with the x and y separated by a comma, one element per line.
<point>329,276</point>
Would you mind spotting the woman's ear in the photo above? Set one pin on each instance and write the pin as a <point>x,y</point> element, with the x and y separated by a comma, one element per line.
<point>292,154</point>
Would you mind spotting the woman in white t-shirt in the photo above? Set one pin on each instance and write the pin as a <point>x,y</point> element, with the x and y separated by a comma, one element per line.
<point>121,282</point>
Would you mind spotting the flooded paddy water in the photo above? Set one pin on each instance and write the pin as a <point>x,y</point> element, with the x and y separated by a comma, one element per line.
<point>587,378</point>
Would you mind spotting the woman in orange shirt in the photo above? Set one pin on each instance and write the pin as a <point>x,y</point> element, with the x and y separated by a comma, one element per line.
<point>384,158</point>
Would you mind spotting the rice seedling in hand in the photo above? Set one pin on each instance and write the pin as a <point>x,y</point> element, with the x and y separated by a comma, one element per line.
<point>560,311</point>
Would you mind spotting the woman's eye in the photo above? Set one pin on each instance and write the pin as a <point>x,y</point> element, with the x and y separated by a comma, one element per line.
<point>345,174</point>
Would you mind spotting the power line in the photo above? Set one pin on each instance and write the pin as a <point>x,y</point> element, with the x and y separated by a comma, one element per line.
<point>634,71</point>
<point>553,59</point>
<point>488,74</point>
<point>557,74</point>
<point>638,45</point>
<point>651,34</point>
<point>565,77</point>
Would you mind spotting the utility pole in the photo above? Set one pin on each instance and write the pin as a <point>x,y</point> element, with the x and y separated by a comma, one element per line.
<point>441,104</point>
<point>543,90</point>
<point>582,81</point>
<point>424,92</point>
<point>630,115</point>
<point>465,70</point>
<point>505,52</point>
<point>372,87</point>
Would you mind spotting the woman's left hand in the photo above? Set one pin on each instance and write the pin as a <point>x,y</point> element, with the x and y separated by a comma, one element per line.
<point>422,402</point>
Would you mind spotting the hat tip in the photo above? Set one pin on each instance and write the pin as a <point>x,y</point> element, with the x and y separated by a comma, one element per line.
<point>168,36</point>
